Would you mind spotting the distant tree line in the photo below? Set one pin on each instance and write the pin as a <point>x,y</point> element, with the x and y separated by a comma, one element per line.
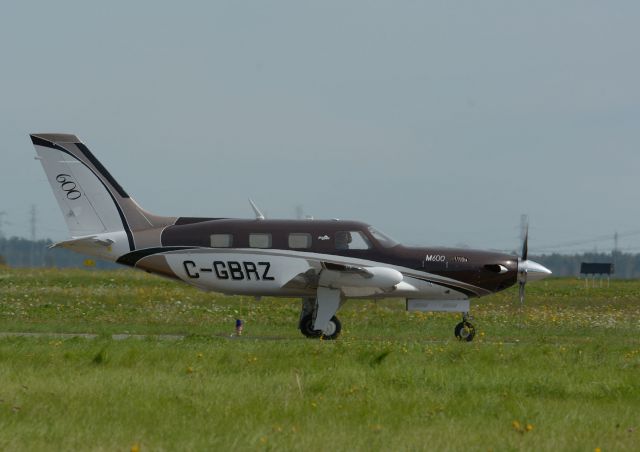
<point>627,266</point>
<point>19,252</point>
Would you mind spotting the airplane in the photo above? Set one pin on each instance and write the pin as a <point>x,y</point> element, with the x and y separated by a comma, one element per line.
<point>323,262</point>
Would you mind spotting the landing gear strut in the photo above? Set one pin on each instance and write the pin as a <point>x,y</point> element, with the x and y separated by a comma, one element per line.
<point>465,331</point>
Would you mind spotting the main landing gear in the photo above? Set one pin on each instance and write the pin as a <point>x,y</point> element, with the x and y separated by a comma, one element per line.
<point>330,333</point>
<point>309,319</point>
<point>464,330</point>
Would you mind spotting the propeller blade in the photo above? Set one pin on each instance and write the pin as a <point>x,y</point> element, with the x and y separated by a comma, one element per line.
<point>522,277</point>
<point>522,284</point>
<point>525,243</point>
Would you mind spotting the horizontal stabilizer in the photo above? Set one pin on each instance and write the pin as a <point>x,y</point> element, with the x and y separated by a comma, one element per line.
<point>83,241</point>
<point>107,246</point>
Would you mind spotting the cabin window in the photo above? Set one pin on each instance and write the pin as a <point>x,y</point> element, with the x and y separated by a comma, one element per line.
<point>260,240</point>
<point>221,240</point>
<point>299,240</point>
<point>351,240</point>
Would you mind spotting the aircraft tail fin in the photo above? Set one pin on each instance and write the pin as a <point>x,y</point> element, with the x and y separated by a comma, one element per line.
<point>91,200</point>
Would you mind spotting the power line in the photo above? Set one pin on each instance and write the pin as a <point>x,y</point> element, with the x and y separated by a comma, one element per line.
<point>573,243</point>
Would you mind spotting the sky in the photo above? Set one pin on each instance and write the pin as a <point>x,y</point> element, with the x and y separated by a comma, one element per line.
<point>440,122</point>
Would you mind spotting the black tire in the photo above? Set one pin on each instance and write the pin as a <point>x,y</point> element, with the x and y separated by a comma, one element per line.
<point>306,327</point>
<point>465,331</point>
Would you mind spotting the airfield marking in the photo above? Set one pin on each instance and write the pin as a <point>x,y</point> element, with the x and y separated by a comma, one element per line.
<point>115,337</point>
<point>124,336</point>
<point>179,337</point>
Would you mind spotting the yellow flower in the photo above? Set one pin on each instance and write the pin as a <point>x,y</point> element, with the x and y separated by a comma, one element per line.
<point>135,448</point>
<point>529,427</point>
<point>516,425</point>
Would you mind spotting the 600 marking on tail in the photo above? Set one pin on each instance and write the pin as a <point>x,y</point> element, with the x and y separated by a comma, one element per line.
<point>68,186</point>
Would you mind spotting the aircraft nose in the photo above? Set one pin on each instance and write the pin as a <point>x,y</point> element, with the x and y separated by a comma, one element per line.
<point>534,270</point>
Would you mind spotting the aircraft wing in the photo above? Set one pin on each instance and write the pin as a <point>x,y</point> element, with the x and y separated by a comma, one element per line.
<point>349,279</point>
<point>344,276</point>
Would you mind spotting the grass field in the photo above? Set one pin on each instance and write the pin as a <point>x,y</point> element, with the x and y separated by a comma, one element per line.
<point>567,379</point>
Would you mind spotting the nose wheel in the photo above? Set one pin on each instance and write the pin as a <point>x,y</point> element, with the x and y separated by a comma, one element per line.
<point>464,330</point>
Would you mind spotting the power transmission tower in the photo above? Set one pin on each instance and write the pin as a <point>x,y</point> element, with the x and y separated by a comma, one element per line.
<point>32,222</point>
<point>2,222</point>
<point>614,253</point>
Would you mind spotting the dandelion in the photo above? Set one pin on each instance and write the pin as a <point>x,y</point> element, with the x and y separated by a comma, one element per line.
<point>516,426</point>
<point>135,448</point>
<point>189,370</point>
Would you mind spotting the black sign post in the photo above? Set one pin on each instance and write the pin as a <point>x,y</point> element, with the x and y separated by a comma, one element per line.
<point>593,268</point>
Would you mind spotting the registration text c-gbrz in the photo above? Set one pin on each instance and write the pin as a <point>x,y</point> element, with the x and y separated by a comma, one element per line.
<point>234,270</point>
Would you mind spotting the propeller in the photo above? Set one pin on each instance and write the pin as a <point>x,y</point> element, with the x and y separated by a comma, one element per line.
<point>527,270</point>
<point>523,268</point>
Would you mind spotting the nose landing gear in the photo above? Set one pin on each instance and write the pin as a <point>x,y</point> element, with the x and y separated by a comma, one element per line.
<point>464,330</point>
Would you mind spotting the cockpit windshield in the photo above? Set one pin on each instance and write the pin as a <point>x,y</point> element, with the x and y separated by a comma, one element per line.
<point>383,239</point>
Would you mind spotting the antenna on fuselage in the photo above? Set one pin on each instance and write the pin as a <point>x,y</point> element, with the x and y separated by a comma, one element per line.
<point>259,215</point>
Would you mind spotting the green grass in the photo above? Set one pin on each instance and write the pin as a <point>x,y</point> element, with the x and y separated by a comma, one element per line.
<point>394,381</point>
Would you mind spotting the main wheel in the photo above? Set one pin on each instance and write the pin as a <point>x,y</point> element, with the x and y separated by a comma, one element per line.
<point>465,331</point>
<point>333,328</point>
<point>306,327</point>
